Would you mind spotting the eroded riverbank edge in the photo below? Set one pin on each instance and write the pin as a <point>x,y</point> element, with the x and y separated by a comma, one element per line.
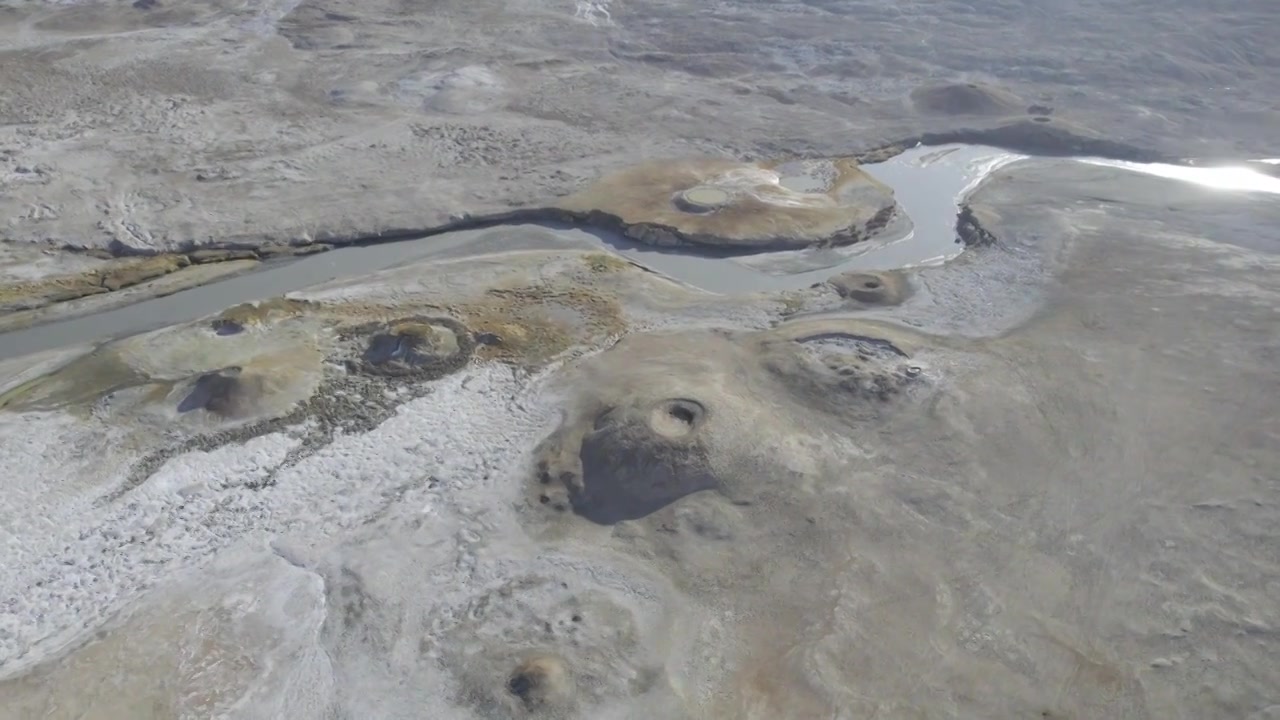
<point>1040,136</point>
<point>715,264</point>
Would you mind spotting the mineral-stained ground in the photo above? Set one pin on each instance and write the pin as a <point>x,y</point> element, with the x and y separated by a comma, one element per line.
<point>519,475</point>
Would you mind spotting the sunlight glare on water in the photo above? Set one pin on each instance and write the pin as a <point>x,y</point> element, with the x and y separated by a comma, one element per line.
<point>1218,178</point>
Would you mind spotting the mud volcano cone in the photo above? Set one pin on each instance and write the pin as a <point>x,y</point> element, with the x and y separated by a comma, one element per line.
<point>730,205</point>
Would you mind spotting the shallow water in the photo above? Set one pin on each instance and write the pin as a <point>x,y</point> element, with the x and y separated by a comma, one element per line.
<point>275,279</point>
<point>929,183</point>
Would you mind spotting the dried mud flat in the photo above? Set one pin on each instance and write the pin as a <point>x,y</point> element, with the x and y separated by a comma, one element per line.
<point>553,484</point>
<point>1039,480</point>
<point>160,126</point>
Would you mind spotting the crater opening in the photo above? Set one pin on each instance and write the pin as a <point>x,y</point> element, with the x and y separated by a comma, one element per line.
<point>521,685</point>
<point>676,418</point>
<point>702,199</point>
<point>540,682</point>
<point>871,288</point>
<point>415,346</point>
<point>216,392</point>
<point>227,327</point>
<point>681,413</point>
<point>853,344</point>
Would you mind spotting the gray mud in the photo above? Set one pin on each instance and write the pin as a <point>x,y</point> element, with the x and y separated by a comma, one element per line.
<point>930,183</point>
<point>363,119</point>
<point>1033,479</point>
<point>1068,513</point>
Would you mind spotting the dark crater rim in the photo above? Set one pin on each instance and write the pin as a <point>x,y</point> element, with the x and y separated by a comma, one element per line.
<point>879,343</point>
<point>212,391</point>
<point>426,367</point>
<point>684,410</point>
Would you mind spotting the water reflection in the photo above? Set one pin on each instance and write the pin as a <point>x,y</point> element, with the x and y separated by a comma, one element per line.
<point>1219,178</point>
<point>928,181</point>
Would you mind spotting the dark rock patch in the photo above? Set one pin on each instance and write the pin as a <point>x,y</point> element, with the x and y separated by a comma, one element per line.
<point>633,466</point>
<point>969,229</point>
<point>418,346</point>
<point>1046,136</point>
<point>540,682</point>
<point>854,377</point>
<point>222,326</point>
<point>634,460</point>
<point>220,393</point>
<point>862,345</point>
<point>965,99</point>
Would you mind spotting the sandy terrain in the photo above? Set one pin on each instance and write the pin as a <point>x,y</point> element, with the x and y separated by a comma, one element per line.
<point>523,476</point>
<point>156,125</point>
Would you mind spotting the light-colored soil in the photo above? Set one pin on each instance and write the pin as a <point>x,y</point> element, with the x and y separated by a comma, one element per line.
<point>153,125</point>
<point>1066,512</point>
<point>1039,481</point>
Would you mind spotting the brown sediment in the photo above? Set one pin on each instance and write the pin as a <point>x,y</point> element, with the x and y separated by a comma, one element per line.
<point>530,325</point>
<point>264,311</point>
<point>77,384</point>
<point>120,274</point>
<point>606,262</point>
<point>208,256</point>
<point>128,270</point>
<point>19,297</point>
<point>871,288</point>
<point>419,346</point>
<point>643,204</point>
<point>231,395</point>
<point>100,299</point>
<point>637,441</point>
<point>730,205</point>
